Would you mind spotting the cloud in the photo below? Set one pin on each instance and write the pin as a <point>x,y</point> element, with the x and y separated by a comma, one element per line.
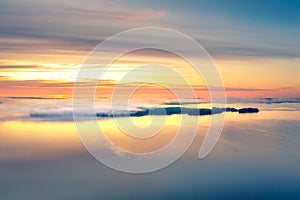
<point>81,25</point>
<point>264,100</point>
<point>204,88</point>
<point>258,89</point>
<point>10,67</point>
<point>27,97</point>
<point>142,15</point>
<point>4,83</point>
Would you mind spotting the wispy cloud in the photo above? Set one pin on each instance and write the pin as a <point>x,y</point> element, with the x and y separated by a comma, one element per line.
<point>142,15</point>
<point>36,32</point>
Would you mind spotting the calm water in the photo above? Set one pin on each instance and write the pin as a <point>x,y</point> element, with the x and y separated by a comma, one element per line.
<point>257,157</point>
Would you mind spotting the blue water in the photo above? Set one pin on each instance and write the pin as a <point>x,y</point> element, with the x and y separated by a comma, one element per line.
<point>257,157</point>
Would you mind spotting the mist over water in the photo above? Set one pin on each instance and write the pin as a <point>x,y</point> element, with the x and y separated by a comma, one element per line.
<point>35,109</point>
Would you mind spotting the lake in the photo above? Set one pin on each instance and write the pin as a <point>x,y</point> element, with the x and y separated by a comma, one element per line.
<point>256,157</point>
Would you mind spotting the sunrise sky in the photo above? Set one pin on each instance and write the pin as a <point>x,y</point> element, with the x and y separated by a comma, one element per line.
<point>44,43</point>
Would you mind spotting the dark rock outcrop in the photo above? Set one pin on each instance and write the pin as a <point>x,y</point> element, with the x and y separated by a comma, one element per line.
<point>248,110</point>
<point>179,110</point>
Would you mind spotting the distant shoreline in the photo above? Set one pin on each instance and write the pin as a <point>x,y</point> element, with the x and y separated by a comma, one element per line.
<point>179,110</point>
<point>155,112</point>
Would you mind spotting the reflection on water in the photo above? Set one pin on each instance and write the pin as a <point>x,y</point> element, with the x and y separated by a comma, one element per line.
<point>34,140</point>
<point>142,138</point>
<point>257,157</point>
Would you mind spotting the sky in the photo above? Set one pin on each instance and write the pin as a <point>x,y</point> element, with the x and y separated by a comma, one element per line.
<point>255,44</point>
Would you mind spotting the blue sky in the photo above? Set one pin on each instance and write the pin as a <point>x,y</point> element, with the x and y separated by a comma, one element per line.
<point>247,28</point>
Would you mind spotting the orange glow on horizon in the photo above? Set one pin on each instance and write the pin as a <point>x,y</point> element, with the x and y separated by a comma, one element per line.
<point>245,78</point>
